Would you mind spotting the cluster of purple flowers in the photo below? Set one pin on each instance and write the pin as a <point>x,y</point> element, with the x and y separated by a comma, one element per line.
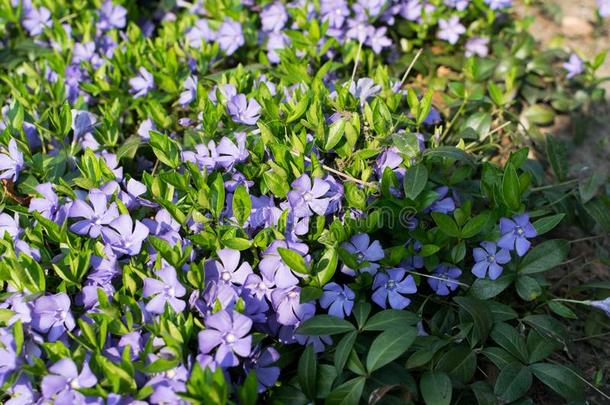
<point>247,301</point>
<point>491,256</point>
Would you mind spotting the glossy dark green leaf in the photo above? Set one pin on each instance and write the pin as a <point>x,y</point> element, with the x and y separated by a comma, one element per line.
<point>389,319</point>
<point>347,393</point>
<point>460,363</point>
<point>511,189</point>
<point>544,256</point>
<point>513,382</point>
<point>507,337</point>
<point>321,325</point>
<point>388,346</point>
<point>546,224</point>
<point>560,379</point>
<point>343,350</point>
<point>307,371</point>
<point>480,314</point>
<point>528,288</point>
<point>414,180</point>
<point>242,204</point>
<point>293,260</point>
<point>436,388</point>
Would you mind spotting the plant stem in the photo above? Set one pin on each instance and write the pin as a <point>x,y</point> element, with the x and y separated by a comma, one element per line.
<point>404,77</point>
<point>551,186</point>
<point>356,62</point>
<point>587,238</point>
<point>438,278</point>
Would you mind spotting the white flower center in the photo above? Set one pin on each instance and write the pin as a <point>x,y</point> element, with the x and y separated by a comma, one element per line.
<point>230,338</point>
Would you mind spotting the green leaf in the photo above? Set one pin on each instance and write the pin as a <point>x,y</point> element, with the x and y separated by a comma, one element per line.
<point>293,260</point>
<point>511,189</point>
<point>389,346</point>
<point>483,393</point>
<point>546,224</point>
<point>347,393</point>
<point>513,382</point>
<point>242,204</point>
<point>343,349</point>
<point>407,144</point>
<point>547,326</point>
<point>599,210</point>
<point>446,224</point>
<point>481,316</point>
<point>540,347</point>
<point>335,134</point>
<point>278,186</point>
<point>498,356</point>
<point>390,318</point>
<point>484,288</point>
<point>560,379</point>
<point>361,312</point>
<point>587,187</point>
<point>217,196</point>
<point>495,93</point>
<point>562,310</point>
<point>436,388</point>
<point>325,267</point>
<point>544,256</point>
<point>415,180</point>
<point>460,363</point>
<point>247,392</point>
<point>475,225</point>
<point>424,107</point>
<point>539,114</point>
<point>450,152</point>
<point>310,293</point>
<point>166,149</point>
<point>507,337</point>
<point>321,325</point>
<point>558,157</point>
<point>307,372</point>
<point>528,288</point>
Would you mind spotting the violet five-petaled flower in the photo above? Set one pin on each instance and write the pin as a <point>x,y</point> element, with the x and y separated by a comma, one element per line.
<point>391,287</point>
<point>273,269</point>
<point>243,111</point>
<point>36,20</point>
<point>190,90</point>
<point>96,215</point>
<point>228,332</point>
<point>230,36</point>
<point>111,16</point>
<point>488,260</point>
<point>123,236</point>
<point>450,29</point>
<point>63,379</point>
<point>445,279</point>
<point>574,66</point>
<point>11,162</point>
<point>339,300</point>
<point>307,198</point>
<point>142,83</point>
<point>167,290</point>
<point>52,314</point>
<point>48,205</point>
<point>288,306</point>
<point>515,232</point>
<point>367,254</point>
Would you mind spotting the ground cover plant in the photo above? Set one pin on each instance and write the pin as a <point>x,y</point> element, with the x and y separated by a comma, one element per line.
<point>333,202</point>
